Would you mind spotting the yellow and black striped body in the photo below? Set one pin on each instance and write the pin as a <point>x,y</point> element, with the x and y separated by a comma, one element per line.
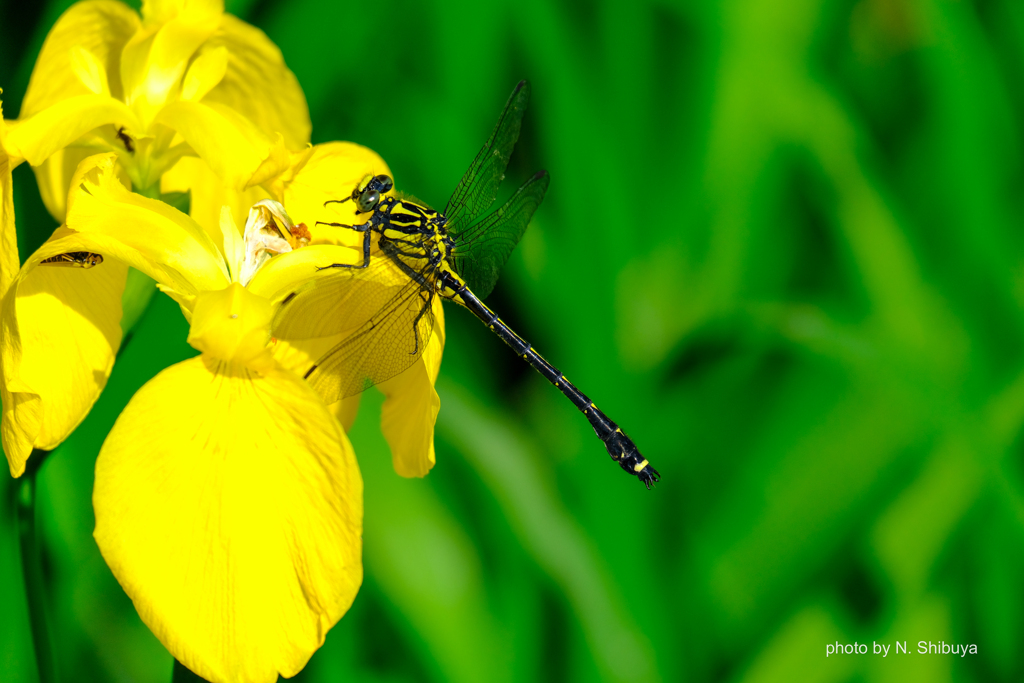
<point>73,259</point>
<point>411,233</point>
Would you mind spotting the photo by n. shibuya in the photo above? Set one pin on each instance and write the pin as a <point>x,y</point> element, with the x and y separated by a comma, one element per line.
<point>924,647</point>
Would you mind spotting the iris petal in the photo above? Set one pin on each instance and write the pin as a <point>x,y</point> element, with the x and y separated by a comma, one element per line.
<point>229,506</point>
<point>100,26</point>
<point>230,324</point>
<point>282,274</point>
<point>233,147</point>
<point>162,11</point>
<point>154,61</point>
<point>16,439</point>
<point>411,406</point>
<point>57,126</point>
<point>61,329</point>
<point>208,195</point>
<point>329,173</point>
<point>8,235</point>
<point>258,83</point>
<point>101,205</point>
<point>206,71</point>
<point>54,178</point>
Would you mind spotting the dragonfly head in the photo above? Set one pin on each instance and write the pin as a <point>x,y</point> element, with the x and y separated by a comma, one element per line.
<point>369,191</point>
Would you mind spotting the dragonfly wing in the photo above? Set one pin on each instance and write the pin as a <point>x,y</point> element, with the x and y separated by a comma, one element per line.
<point>478,187</point>
<point>337,300</point>
<point>483,248</point>
<point>383,318</point>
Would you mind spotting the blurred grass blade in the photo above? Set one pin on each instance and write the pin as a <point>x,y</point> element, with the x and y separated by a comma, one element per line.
<point>506,461</point>
<point>425,564</point>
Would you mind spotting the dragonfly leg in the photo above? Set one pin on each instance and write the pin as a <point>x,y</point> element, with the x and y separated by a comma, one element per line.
<point>365,228</point>
<point>415,323</point>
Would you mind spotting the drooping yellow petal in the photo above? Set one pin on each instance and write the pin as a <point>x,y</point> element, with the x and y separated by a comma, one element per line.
<point>102,27</point>
<point>231,324</point>
<point>346,410</point>
<point>101,205</point>
<point>411,406</point>
<point>60,124</point>
<point>8,236</point>
<point>258,83</point>
<point>229,507</point>
<point>60,331</point>
<point>15,436</point>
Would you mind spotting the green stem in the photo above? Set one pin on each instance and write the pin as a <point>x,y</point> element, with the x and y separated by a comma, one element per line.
<point>182,674</point>
<point>32,569</point>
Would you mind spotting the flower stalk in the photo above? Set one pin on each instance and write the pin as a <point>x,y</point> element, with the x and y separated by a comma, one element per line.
<point>32,570</point>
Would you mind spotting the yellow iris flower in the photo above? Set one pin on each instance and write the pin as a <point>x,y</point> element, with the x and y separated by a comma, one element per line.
<point>184,79</point>
<point>180,95</point>
<point>228,500</point>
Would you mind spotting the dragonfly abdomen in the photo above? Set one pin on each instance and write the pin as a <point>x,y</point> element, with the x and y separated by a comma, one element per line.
<point>620,447</point>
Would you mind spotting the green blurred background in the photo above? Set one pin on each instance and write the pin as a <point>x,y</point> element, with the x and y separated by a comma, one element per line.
<point>783,247</point>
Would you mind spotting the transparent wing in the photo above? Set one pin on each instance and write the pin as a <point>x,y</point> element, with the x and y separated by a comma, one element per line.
<point>478,187</point>
<point>483,248</point>
<point>382,316</point>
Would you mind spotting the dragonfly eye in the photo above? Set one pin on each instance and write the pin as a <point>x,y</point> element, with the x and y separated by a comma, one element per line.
<point>384,183</point>
<point>368,200</point>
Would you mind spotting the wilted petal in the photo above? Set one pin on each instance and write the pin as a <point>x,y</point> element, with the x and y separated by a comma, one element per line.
<point>229,507</point>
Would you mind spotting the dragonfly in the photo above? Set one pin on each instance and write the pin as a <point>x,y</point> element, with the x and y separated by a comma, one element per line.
<point>419,254</point>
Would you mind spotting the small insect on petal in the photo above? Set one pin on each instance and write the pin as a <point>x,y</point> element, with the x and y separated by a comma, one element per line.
<point>74,259</point>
